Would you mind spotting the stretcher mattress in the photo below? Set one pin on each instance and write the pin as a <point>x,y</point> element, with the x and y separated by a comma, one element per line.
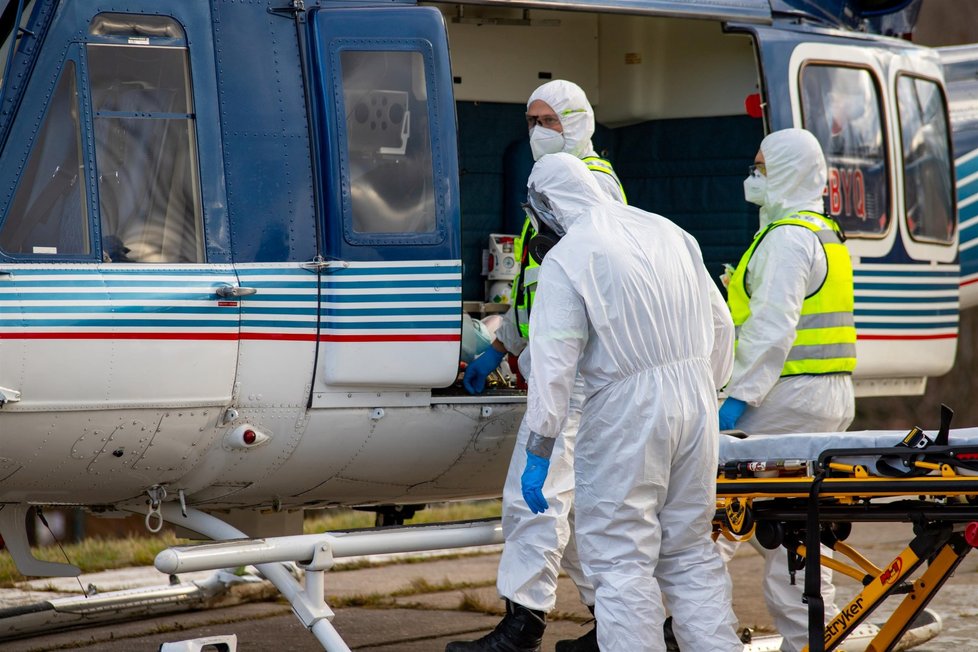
<point>808,446</point>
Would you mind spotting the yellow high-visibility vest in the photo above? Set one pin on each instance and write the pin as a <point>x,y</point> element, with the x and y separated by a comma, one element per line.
<point>825,340</point>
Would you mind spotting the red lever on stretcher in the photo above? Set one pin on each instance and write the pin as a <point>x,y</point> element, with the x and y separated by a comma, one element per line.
<point>971,534</point>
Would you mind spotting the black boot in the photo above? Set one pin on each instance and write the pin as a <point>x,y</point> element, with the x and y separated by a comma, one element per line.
<point>586,643</point>
<point>672,645</point>
<point>521,630</point>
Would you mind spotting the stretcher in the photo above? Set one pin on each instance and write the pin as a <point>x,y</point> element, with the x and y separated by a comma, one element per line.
<point>796,491</point>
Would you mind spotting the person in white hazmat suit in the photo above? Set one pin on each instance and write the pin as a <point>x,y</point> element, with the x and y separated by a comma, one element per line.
<point>624,299</point>
<point>791,297</point>
<point>560,119</point>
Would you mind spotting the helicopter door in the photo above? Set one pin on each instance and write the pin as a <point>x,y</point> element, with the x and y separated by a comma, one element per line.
<point>106,295</point>
<point>881,118</point>
<point>390,281</point>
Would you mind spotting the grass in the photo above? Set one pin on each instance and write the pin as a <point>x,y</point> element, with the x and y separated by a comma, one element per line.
<point>95,554</point>
<point>348,519</point>
<point>472,603</point>
<point>417,586</point>
<point>102,553</point>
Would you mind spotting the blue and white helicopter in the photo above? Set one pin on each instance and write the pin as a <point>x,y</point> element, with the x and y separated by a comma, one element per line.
<point>237,239</point>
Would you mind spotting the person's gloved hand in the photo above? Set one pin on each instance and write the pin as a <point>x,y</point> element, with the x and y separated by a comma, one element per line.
<point>532,481</point>
<point>474,380</point>
<point>730,411</point>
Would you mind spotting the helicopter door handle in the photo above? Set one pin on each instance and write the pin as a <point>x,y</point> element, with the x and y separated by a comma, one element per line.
<point>8,396</point>
<point>231,291</point>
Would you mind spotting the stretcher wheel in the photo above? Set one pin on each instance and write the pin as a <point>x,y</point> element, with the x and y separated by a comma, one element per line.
<point>769,534</point>
<point>836,531</point>
<point>740,517</point>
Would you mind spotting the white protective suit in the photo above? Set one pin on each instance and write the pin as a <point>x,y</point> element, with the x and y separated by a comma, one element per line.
<point>571,105</point>
<point>786,267</point>
<point>625,300</point>
<point>537,545</point>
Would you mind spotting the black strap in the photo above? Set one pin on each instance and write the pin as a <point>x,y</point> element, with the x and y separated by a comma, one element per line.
<point>813,572</point>
<point>943,434</point>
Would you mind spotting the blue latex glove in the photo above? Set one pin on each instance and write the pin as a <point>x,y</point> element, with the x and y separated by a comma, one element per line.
<point>474,380</point>
<point>730,411</point>
<point>532,481</point>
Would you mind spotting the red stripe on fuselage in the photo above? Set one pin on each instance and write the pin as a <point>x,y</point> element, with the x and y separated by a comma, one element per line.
<point>390,338</point>
<point>118,336</point>
<point>294,337</point>
<point>947,336</point>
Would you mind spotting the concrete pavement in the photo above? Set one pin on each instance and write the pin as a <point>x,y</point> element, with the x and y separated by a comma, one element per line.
<point>419,607</point>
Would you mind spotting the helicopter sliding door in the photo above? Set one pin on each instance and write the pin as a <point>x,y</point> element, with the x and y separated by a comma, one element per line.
<point>390,284</point>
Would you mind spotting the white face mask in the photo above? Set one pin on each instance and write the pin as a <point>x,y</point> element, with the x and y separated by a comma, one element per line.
<point>545,141</point>
<point>755,187</point>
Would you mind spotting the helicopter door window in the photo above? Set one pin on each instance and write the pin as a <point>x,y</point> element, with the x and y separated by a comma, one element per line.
<point>927,169</point>
<point>388,143</point>
<point>841,106</point>
<point>48,215</point>
<point>145,148</point>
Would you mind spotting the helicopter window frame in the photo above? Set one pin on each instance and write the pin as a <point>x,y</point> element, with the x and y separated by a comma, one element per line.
<point>125,28</point>
<point>885,147</point>
<point>10,37</point>
<point>69,70</point>
<point>433,225</point>
<point>171,228</point>
<point>949,157</point>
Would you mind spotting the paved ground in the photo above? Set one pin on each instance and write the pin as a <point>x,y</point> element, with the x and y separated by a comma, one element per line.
<point>418,607</point>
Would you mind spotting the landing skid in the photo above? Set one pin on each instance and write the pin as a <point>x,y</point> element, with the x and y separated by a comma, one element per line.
<point>314,553</point>
<point>272,556</point>
<point>13,529</point>
<point>96,608</point>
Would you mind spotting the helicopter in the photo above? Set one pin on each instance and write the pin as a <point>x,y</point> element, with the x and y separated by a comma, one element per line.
<point>240,242</point>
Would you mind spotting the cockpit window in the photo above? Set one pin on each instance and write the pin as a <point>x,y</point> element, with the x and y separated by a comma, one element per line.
<point>841,106</point>
<point>48,215</point>
<point>927,171</point>
<point>145,144</point>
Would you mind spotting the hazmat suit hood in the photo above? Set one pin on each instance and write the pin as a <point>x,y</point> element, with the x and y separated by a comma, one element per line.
<point>569,102</point>
<point>796,174</point>
<point>567,188</point>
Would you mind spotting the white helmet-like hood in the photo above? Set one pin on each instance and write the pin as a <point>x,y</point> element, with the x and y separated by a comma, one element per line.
<point>567,188</point>
<point>569,102</point>
<point>796,174</point>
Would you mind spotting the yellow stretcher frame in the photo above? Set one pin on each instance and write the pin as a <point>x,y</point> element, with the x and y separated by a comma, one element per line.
<point>943,509</point>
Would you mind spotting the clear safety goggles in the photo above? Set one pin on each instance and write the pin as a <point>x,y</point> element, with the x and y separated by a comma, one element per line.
<point>549,121</point>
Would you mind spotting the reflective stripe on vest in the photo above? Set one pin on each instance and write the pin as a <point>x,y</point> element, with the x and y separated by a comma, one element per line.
<point>524,285</point>
<point>598,164</point>
<point>825,338</point>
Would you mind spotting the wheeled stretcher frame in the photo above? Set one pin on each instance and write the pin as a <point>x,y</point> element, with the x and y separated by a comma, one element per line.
<point>920,481</point>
